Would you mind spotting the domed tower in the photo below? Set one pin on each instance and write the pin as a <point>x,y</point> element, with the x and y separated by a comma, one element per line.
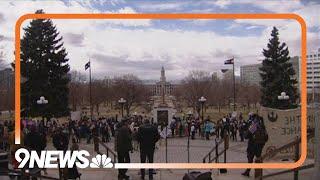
<point>163,75</point>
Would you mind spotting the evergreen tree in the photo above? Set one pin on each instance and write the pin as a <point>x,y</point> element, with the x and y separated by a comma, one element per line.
<point>44,68</point>
<point>277,75</point>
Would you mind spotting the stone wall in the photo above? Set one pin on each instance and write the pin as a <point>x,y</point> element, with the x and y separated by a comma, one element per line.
<point>283,126</point>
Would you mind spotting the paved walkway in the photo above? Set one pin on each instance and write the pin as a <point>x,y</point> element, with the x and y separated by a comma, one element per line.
<point>177,152</point>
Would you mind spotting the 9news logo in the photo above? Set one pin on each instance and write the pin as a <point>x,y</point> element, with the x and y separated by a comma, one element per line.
<point>55,159</point>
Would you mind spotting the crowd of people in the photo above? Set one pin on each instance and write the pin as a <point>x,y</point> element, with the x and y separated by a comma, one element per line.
<point>132,133</point>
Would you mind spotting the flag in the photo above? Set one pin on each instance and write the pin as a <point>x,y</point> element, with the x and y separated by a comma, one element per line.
<point>87,65</point>
<point>224,70</point>
<point>229,61</point>
<point>253,127</point>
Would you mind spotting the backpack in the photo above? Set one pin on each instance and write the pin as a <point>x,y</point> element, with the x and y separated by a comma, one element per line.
<point>260,136</point>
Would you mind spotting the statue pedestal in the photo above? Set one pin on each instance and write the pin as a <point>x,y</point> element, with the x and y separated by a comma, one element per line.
<point>163,114</point>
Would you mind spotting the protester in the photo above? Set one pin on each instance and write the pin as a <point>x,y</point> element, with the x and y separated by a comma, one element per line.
<point>147,136</point>
<point>73,172</point>
<point>193,131</point>
<point>95,135</point>
<point>173,126</point>
<point>207,129</point>
<point>257,137</point>
<point>60,140</point>
<point>34,141</point>
<point>123,146</point>
<point>233,130</point>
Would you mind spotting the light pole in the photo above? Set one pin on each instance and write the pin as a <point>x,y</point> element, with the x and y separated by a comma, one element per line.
<point>202,100</point>
<point>42,101</point>
<point>122,102</point>
<point>228,62</point>
<point>316,174</point>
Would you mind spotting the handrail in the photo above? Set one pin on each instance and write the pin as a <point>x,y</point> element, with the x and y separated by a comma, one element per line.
<point>218,155</point>
<point>295,143</point>
<point>213,149</point>
<point>109,150</point>
<point>290,170</point>
<point>286,146</point>
<point>216,149</point>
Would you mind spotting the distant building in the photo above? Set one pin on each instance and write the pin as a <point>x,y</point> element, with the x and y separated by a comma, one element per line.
<point>215,76</point>
<point>162,86</point>
<point>228,74</point>
<point>6,79</point>
<point>313,71</point>
<point>250,74</point>
<point>6,89</point>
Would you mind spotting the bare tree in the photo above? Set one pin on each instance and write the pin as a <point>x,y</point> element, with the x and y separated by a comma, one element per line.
<point>130,88</point>
<point>7,90</point>
<point>77,90</point>
<point>249,94</point>
<point>99,91</point>
<point>195,85</point>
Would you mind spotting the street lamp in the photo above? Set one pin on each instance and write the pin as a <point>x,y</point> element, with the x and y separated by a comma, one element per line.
<point>283,96</point>
<point>122,102</point>
<point>202,100</point>
<point>42,101</point>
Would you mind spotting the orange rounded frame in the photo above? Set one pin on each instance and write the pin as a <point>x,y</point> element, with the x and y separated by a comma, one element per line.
<point>179,16</point>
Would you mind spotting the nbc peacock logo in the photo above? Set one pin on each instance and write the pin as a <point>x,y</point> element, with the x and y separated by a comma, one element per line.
<point>101,161</point>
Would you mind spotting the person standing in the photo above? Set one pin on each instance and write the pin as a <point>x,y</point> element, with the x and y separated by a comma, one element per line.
<point>180,128</point>
<point>147,137</point>
<point>257,137</point>
<point>207,129</point>
<point>193,131</point>
<point>233,131</point>
<point>242,129</point>
<point>123,146</point>
<point>35,141</point>
<point>95,135</point>
<point>60,140</point>
<point>173,126</point>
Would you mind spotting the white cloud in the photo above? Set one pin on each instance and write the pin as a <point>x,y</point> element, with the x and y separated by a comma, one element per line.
<point>154,6</point>
<point>279,6</point>
<point>117,48</point>
<point>223,3</point>
<point>9,17</point>
<point>290,30</point>
<point>252,27</point>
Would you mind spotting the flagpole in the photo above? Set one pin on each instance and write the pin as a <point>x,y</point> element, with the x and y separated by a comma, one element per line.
<point>90,93</point>
<point>234,87</point>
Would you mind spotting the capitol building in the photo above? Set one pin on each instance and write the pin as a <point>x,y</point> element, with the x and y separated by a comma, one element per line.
<point>162,85</point>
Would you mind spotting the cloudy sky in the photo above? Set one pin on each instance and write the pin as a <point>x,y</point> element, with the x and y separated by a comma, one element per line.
<point>141,47</point>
